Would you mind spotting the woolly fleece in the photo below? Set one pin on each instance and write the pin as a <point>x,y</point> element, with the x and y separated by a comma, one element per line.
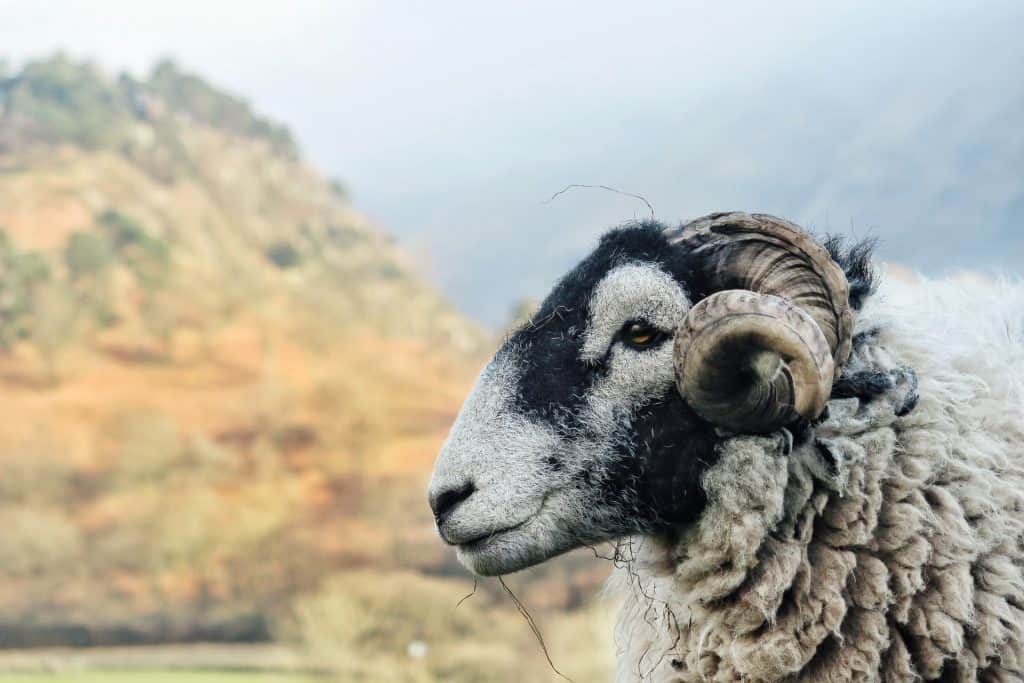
<point>881,547</point>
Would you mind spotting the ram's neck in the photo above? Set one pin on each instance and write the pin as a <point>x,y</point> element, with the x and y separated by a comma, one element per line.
<point>768,549</point>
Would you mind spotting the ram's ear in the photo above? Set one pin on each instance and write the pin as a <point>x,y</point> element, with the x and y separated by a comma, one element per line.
<point>764,349</point>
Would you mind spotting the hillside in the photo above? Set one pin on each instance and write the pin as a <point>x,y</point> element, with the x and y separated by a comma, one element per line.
<point>209,358</point>
<point>224,391</point>
<point>173,168</point>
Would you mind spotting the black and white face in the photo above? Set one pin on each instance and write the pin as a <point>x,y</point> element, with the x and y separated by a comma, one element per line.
<point>575,433</point>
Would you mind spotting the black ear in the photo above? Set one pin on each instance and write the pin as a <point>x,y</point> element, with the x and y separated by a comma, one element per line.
<point>867,385</point>
<point>857,261</point>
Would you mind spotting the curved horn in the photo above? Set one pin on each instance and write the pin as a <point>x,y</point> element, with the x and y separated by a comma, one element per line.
<point>765,351</point>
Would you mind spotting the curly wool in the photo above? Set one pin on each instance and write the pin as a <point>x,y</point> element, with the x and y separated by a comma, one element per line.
<point>887,545</point>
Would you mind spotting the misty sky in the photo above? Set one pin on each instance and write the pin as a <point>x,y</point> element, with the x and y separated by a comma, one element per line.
<point>453,122</point>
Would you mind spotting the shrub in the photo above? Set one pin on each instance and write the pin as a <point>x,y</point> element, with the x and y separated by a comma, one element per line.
<point>191,95</point>
<point>391,271</point>
<point>55,327</point>
<point>37,541</point>
<point>69,102</point>
<point>360,625</point>
<point>148,448</point>
<point>345,236</point>
<point>120,229</point>
<point>21,276</point>
<point>147,256</point>
<point>339,189</point>
<point>284,255</point>
<point>87,255</point>
<point>36,473</point>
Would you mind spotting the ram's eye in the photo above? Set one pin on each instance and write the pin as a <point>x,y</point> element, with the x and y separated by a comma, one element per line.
<point>640,335</point>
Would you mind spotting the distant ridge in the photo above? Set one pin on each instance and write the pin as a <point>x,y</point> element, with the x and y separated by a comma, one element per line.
<point>221,190</point>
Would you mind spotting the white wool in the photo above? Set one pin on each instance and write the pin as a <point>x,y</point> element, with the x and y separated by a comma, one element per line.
<point>886,547</point>
<point>967,324</point>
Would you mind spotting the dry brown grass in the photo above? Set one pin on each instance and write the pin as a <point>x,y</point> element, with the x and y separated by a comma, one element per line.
<point>366,626</point>
<point>203,460</point>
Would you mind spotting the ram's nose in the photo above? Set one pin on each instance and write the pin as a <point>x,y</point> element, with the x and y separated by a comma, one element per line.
<point>445,500</point>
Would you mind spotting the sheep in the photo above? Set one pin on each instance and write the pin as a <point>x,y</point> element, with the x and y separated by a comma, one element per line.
<point>807,476</point>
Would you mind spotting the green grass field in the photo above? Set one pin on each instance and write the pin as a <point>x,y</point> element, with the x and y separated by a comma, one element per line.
<point>155,677</point>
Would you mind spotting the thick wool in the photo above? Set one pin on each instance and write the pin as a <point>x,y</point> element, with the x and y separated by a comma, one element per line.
<point>886,544</point>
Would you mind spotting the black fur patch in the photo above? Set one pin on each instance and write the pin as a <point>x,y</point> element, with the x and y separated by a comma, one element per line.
<point>866,384</point>
<point>553,381</point>
<point>659,472</point>
<point>856,260</point>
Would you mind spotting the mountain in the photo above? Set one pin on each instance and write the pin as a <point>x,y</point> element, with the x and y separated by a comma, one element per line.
<point>222,383</point>
<point>172,169</point>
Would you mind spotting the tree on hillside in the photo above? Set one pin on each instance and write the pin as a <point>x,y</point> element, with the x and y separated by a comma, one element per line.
<point>146,256</point>
<point>284,255</point>
<point>122,230</point>
<point>66,101</point>
<point>21,276</point>
<point>87,255</point>
<point>339,189</point>
<point>189,94</point>
<point>89,259</point>
<point>55,328</point>
<point>148,259</point>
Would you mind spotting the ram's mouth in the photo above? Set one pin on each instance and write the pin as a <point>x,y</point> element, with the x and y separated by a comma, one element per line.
<point>480,542</point>
<point>471,543</point>
<point>510,548</point>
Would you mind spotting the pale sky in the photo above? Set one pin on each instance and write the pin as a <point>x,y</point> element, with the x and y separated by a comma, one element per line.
<point>452,122</point>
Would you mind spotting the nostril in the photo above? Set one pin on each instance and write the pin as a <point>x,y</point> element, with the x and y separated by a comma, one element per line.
<point>446,501</point>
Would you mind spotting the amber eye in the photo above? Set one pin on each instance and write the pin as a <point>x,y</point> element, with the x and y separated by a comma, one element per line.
<point>640,335</point>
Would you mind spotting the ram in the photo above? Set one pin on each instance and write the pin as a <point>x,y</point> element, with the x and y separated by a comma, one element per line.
<point>807,476</point>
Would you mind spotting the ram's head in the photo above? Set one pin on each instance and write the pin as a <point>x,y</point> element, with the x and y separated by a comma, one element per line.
<point>598,417</point>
